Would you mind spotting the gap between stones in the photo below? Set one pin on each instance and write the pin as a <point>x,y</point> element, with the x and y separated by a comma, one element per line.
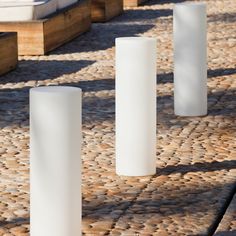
<point>222,212</point>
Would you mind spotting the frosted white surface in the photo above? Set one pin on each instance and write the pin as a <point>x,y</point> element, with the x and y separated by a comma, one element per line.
<point>190,59</point>
<point>55,161</point>
<point>26,10</point>
<point>135,106</point>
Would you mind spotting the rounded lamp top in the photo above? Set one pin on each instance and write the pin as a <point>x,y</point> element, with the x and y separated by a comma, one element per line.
<point>135,39</point>
<point>55,89</point>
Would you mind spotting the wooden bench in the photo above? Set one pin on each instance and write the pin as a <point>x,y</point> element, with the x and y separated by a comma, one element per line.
<point>133,3</point>
<point>104,10</point>
<point>8,52</point>
<point>41,36</point>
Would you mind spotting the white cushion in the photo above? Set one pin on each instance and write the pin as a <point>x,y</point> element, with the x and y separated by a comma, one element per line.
<point>65,3</point>
<point>22,1</point>
<point>26,10</point>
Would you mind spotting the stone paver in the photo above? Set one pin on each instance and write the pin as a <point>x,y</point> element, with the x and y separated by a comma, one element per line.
<point>227,226</point>
<point>196,157</point>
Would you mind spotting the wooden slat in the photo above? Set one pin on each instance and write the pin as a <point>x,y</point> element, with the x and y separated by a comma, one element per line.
<point>41,36</point>
<point>30,36</point>
<point>113,8</point>
<point>133,3</point>
<point>98,11</point>
<point>8,52</point>
<point>64,27</point>
<point>104,10</point>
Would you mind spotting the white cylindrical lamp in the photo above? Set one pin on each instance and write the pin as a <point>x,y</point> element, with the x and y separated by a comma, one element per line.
<point>190,59</point>
<point>135,106</point>
<point>55,161</point>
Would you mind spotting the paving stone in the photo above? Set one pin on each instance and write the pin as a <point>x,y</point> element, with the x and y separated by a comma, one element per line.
<point>227,226</point>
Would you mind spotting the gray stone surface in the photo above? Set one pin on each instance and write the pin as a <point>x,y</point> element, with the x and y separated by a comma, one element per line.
<point>227,226</point>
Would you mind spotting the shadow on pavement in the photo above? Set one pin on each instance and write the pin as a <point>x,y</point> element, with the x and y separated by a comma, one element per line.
<point>197,167</point>
<point>142,15</point>
<point>160,2</point>
<point>222,17</point>
<point>14,222</point>
<point>226,233</point>
<point>14,102</point>
<point>102,37</point>
<point>45,70</point>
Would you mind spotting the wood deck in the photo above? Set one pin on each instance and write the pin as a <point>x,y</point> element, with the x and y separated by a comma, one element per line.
<point>133,3</point>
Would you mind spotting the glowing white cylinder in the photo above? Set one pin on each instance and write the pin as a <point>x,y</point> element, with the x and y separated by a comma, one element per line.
<point>135,106</point>
<point>190,59</point>
<point>55,161</point>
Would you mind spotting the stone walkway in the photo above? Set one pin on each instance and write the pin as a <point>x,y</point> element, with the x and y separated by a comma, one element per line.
<point>196,157</point>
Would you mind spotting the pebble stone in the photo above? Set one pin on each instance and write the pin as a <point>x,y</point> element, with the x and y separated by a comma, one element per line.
<point>196,157</point>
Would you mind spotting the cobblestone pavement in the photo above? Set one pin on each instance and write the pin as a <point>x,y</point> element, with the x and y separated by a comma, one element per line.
<point>196,157</point>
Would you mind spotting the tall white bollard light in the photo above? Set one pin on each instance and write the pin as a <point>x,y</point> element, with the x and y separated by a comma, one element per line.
<point>55,161</point>
<point>190,59</point>
<point>135,106</point>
